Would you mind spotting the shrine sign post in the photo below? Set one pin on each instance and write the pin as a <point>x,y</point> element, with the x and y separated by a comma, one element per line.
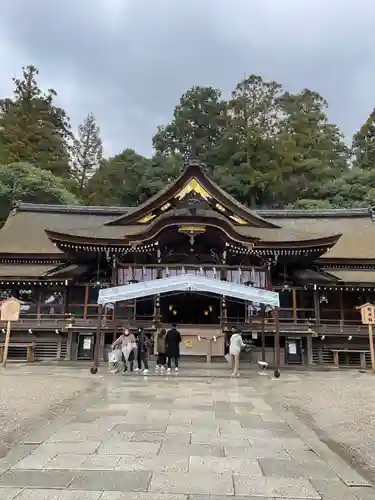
<point>368,318</point>
<point>9,311</point>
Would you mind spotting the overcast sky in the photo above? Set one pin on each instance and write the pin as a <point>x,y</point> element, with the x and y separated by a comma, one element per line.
<point>129,61</point>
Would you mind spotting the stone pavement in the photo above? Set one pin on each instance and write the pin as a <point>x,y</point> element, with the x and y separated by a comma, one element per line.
<point>177,438</point>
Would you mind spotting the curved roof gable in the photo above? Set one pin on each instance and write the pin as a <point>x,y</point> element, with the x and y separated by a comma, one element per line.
<point>193,180</point>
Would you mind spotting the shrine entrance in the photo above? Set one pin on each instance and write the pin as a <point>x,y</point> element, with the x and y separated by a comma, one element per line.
<point>190,309</point>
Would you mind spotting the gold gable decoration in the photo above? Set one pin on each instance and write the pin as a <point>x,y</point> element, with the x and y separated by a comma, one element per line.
<point>237,219</point>
<point>146,218</point>
<point>193,185</point>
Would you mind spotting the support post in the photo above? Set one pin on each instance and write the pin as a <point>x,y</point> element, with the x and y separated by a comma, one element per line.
<point>341,302</point>
<point>6,344</point>
<point>277,343</point>
<point>69,344</point>
<point>94,368</point>
<point>316,306</point>
<point>371,339</point>
<point>262,333</point>
<point>294,304</point>
<point>309,350</point>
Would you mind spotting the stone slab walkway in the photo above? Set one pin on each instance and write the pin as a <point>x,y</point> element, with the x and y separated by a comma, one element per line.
<point>177,438</point>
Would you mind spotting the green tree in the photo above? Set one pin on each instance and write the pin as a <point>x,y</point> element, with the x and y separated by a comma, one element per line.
<point>247,151</point>
<point>162,171</point>
<point>363,146</point>
<point>313,150</point>
<point>24,182</point>
<point>32,128</point>
<point>355,188</point>
<point>197,126</point>
<point>87,152</point>
<point>121,180</point>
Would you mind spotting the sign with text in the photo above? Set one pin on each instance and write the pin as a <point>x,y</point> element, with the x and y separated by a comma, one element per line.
<point>10,310</point>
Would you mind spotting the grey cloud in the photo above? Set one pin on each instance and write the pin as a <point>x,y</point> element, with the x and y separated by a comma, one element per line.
<point>129,61</point>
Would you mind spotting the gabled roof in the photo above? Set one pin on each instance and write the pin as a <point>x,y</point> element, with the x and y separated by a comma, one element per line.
<point>193,179</point>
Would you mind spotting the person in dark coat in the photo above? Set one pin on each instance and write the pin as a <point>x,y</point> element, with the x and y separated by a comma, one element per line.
<point>162,358</point>
<point>172,344</point>
<point>142,351</point>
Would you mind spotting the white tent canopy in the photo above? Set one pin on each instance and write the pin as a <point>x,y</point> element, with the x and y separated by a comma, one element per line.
<point>188,283</point>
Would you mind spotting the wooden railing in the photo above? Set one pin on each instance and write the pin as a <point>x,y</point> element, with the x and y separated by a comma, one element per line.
<point>62,323</point>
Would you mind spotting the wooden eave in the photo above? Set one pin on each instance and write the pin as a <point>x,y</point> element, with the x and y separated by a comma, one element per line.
<point>193,171</point>
<point>116,238</point>
<point>77,239</point>
<point>318,243</point>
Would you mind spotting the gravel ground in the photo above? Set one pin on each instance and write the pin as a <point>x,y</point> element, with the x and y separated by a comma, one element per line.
<point>340,407</point>
<point>23,398</point>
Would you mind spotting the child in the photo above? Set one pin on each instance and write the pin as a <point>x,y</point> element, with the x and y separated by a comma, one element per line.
<point>162,359</point>
<point>114,359</point>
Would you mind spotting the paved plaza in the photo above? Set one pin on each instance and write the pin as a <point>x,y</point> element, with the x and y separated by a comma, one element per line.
<point>177,438</point>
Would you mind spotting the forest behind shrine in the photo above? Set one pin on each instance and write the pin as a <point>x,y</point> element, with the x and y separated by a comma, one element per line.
<point>267,147</point>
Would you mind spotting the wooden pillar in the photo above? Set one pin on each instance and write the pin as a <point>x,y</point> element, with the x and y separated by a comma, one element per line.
<point>101,347</point>
<point>294,304</point>
<point>309,354</point>
<point>69,345</point>
<point>316,306</point>
<point>38,304</point>
<point>341,302</point>
<point>65,298</point>
<point>85,302</point>
<point>277,343</point>
<point>262,333</point>
<point>94,368</point>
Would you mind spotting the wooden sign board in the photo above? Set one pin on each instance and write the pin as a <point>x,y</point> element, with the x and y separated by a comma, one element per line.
<point>10,310</point>
<point>367,313</point>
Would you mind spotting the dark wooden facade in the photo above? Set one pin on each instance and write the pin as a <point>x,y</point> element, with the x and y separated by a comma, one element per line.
<point>56,258</point>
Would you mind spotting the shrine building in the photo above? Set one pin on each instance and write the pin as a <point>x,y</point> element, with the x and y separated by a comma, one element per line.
<point>56,259</point>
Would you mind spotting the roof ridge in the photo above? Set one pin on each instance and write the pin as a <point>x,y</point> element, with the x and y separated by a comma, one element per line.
<point>285,213</point>
<point>77,209</point>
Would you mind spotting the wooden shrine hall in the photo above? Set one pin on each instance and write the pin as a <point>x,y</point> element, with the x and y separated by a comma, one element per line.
<point>57,260</point>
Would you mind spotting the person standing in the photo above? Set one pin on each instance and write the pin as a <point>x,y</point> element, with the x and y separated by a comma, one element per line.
<point>161,349</point>
<point>127,343</point>
<point>172,344</point>
<point>142,351</point>
<point>235,346</point>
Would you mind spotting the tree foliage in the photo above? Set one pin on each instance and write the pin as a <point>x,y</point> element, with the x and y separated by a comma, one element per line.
<point>264,145</point>
<point>197,126</point>
<point>24,182</point>
<point>32,128</point>
<point>364,144</point>
<point>87,152</point>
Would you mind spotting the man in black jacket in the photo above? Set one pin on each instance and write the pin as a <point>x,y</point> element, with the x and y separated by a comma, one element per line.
<point>142,351</point>
<point>172,343</point>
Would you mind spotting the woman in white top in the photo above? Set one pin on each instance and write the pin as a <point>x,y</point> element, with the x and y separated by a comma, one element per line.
<point>235,346</point>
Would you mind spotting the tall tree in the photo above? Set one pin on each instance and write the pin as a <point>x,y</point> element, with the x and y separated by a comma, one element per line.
<point>197,126</point>
<point>124,179</point>
<point>249,170</point>
<point>363,146</point>
<point>87,152</point>
<point>313,149</point>
<point>25,182</point>
<point>32,128</point>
